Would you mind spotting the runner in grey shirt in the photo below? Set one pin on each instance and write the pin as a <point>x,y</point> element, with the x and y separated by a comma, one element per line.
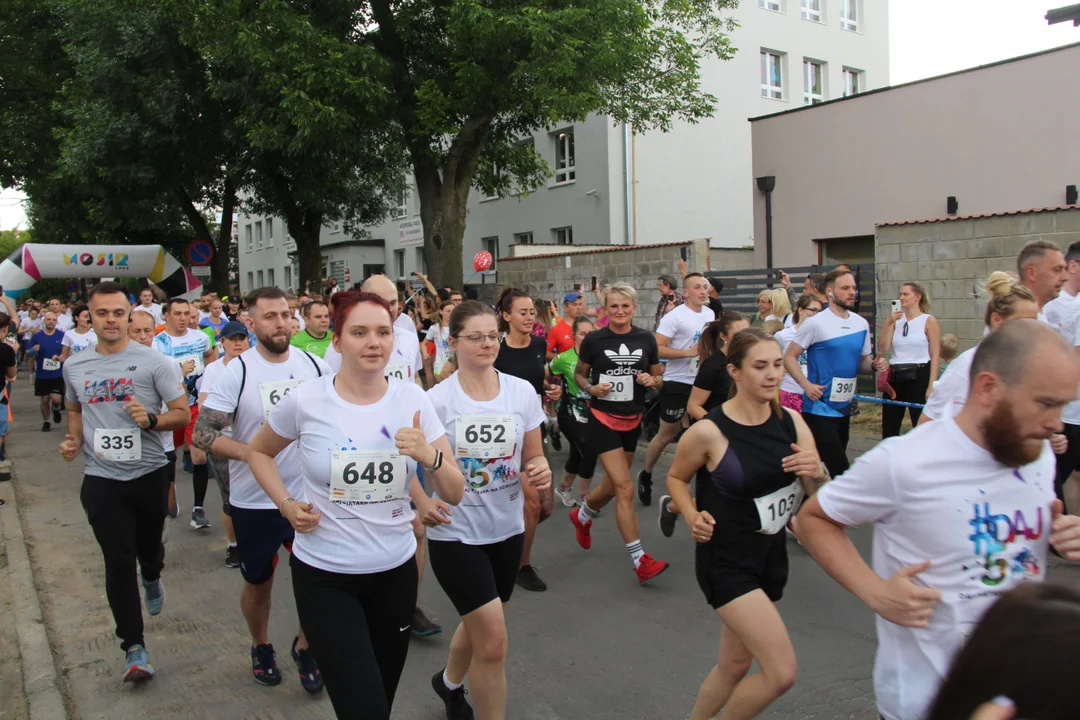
<point>124,490</point>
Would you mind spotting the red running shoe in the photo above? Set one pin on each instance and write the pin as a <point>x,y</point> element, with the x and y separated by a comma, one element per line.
<point>582,530</point>
<point>648,568</point>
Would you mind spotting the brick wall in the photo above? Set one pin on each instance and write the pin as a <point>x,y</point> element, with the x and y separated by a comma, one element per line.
<point>551,276</point>
<point>952,258</point>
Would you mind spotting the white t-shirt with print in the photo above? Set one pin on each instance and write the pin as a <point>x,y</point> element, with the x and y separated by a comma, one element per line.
<point>683,327</point>
<point>951,390</point>
<point>353,537</point>
<point>79,341</point>
<point>492,508</point>
<point>264,383</point>
<point>934,494</point>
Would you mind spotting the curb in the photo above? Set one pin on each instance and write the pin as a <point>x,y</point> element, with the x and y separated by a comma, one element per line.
<point>40,679</point>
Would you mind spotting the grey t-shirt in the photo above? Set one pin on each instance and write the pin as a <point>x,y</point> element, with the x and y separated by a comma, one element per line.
<point>102,385</point>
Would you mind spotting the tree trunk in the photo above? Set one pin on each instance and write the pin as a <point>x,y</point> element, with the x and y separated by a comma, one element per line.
<point>306,228</point>
<point>219,265</point>
<point>444,229</point>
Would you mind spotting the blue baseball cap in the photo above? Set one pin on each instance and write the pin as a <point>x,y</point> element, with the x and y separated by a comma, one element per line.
<point>234,327</point>
<point>571,297</point>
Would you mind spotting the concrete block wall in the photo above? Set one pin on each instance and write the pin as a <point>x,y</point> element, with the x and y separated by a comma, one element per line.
<point>551,276</point>
<point>952,259</point>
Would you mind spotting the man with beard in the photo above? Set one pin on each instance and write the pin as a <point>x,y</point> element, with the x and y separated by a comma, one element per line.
<point>242,396</point>
<point>963,510</point>
<point>837,346</point>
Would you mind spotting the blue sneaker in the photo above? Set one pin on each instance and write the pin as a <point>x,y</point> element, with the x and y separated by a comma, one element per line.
<point>154,596</point>
<point>310,677</point>
<point>137,666</point>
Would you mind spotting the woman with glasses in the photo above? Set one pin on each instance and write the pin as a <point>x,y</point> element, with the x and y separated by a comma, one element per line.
<point>791,393</point>
<point>914,338</point>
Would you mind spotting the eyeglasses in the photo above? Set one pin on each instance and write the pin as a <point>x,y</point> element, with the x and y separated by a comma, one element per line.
<point>905,328</point>
<point>812,309</point>
<point>479,339</point>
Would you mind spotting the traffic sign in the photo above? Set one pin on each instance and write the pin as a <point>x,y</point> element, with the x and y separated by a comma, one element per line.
<point>199,252</point>
<point>73,286</point>
<point>200,271</point>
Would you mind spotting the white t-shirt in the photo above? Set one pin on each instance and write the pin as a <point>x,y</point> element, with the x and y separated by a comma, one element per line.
<point>64,322</point>
<point>788,384</point>
<point>299,316</point>
<point>192,345</point>
<point>442,345</point>
<point>79,341</point>
<point>404,322</point>
<point>168,445</point>
<point>405,361</point>
<point>492,508</point>
<point>1071,331</point>
<point>154,310</point>
<point>950,392</point>
<point>264,385</point>
<point>683,327</point>
<point>354,537</point>
<point>33,325</point>
<point>1061,311</point>
<point>933,494</point>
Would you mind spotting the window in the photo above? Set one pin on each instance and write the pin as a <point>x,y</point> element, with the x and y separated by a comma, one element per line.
<point>772,78</point>
<point>563,236</point>
<point>399,263</point>
<point>335,228</point>
<point>813,82</point>
<point>258,237</point>
<point>849,15</point>
<point>852,82</point>
<point>769,4</point>
<point>564,156</point>
<point>260,276</point>
<point>421,263</point>
<point>523,238</point>
<point>402,203</point>
<point>251,276</point>
<point>288,277</point>
<point>270,277</point>
<point>247,238</point>
<point>270,234</point>
<point>811,10</point>
<point>491,244</point>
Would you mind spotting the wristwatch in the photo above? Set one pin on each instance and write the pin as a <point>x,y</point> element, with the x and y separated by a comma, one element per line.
<point>438,462</point>
<point>152,421</point>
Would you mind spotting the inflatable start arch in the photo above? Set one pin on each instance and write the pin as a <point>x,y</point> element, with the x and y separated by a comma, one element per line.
<point>30,263</point>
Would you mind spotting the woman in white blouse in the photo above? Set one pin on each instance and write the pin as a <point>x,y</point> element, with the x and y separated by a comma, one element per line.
<point>914,338</point>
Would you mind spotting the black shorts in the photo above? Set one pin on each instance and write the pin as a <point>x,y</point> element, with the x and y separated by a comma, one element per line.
<point>474,575</point>
<point>603,439</point>
<point>673,399</point>
<point>43,387</point>
<point>259,535</point>
<point>1069,461</point>
<point>737,562</point>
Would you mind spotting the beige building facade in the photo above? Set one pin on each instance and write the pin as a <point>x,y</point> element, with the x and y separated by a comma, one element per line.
<point>996,138</point>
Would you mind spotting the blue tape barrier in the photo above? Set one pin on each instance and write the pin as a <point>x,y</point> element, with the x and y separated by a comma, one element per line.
<point>884,401</point>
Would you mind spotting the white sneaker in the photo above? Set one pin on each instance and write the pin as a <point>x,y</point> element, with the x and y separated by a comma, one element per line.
<point>165,531</point>
<point>566,496</point>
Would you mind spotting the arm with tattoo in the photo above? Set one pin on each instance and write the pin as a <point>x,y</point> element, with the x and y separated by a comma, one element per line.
<point>207,435</point>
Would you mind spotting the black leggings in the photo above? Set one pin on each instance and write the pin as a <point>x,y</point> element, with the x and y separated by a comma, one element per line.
<point>127,518</point>
<point>358,629</point>
<point>581,460</point>
<point>912,391</point>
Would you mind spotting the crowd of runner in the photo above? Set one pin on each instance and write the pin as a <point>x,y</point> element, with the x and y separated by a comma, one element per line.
<point>372,431</point>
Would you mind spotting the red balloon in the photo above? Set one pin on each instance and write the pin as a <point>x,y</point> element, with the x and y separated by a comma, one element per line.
<point>482,261</point>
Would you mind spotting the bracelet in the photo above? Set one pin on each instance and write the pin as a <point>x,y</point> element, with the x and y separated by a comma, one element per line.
<point>284,500</point>
<point>438,462</point>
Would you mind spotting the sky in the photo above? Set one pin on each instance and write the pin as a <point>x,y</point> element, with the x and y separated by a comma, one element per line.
<point>926,38</point>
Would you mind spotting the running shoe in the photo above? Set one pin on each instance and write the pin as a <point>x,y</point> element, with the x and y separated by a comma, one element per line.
<point>644,488</point>
<point>165,531</point>
<point>137,664</point>
<point>667,518</point>
<point>198,519</point>
<point>457,707</point>
<point>423,626</point>
<point>264,665</point>
<point>648,568</point>
<point>527,579</point>
<point>566,496</point>
<point>188,467</point>
<point>153,596</point>
<point>310,677</point>
<point>582,530</point>
<point>56,415</point>
<point>232,556</point>
<point>556,439</point>
<point>45,427</point>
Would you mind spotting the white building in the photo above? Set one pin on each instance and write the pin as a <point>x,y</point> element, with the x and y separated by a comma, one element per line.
<point>615,187</point>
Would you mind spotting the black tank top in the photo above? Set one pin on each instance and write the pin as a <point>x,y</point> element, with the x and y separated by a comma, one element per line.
<point>751,468</point>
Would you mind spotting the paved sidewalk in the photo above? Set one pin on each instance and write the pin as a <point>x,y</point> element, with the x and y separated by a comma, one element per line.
<point>596,645</point>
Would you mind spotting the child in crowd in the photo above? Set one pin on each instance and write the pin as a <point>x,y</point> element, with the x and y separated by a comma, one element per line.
<point>949,346</point>
<point>773,326</point>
